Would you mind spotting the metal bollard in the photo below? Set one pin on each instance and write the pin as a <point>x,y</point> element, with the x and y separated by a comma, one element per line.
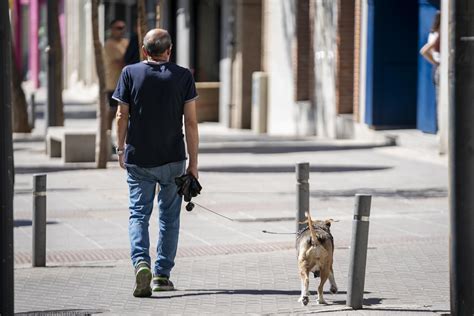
<point>39,220</point>
<point>360,238</point>
<point>302,193</point>
<point>32,111</point>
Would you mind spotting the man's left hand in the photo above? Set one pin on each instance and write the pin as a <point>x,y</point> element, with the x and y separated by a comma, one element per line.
<point>121,161</point>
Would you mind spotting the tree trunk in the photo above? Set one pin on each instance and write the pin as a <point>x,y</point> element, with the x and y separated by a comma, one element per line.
<point>19,106</point>
<point>141,24</point>
<point>102,140</point>
<point>58,60</point>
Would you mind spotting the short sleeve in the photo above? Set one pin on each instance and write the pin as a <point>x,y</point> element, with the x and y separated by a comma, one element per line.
<point>122,91</point>
<point>190,92</point>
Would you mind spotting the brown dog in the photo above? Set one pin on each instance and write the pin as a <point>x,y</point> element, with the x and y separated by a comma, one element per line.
<point>315,247</point>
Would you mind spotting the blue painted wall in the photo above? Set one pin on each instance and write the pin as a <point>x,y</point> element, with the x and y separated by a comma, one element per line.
<point>426,113</point>
<point>392,56</point>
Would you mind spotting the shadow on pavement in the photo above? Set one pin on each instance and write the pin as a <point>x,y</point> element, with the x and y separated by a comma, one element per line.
<point>80,266</point>
<point>290,169</point>
<point>27,138</point>
<point>261,149</point>
<point>200,292</point>
<point>28,222</point>
<point>30,191</point>
<point>407,194</point>
<point>68,312</point>
<point>48,169</point>
<point>250,138</point>
<point>406,310</point>
<point>366,301</point>
<point>85,114</point>
<point>72,110</point>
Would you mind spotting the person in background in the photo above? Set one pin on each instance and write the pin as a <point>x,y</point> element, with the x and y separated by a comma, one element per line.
<point>430,51</point>
<point>114,51</point>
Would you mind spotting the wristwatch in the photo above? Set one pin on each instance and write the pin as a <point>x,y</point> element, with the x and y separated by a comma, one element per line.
<point>119,151</point>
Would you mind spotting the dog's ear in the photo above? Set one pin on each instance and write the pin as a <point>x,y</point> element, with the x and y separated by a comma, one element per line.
<point>328,222</point>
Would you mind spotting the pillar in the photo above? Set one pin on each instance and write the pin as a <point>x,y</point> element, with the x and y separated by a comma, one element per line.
<point>248,54</point>
<point>183,34</point>
<point>33,40</point>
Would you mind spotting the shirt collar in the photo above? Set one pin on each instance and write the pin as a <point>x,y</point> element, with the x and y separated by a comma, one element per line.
<point>153,62</point>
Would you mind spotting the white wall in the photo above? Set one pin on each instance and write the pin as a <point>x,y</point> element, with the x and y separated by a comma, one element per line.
<point>443,99</point>
<point>279,34</point>
<point>225,64</point>
<point>79,66</point>
<point>325,31</point>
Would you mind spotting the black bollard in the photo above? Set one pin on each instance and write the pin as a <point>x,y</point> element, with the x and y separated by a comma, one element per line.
<point>39,220</point>
<point>357,263</point>
<point>302,193</point>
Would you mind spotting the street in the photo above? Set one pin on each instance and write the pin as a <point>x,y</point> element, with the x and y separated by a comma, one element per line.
<point>228,266</point>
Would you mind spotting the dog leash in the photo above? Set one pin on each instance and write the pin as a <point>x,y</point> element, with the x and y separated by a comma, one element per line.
<point>190,187</point>
<point>214,212</point>
<point>233,220</point>
<point>276,233</point>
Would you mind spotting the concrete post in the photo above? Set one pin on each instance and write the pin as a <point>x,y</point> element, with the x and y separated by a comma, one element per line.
<point>302,193</point>
<point>6,167</point>
<point>259,102</point>
<point>360,237</point>
<point>461,156</point>
<point>32,111</point>
<point>39,220</point>
<point>183,34</point>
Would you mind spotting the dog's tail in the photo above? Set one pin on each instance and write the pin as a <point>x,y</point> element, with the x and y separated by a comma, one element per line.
<point>312,231</point>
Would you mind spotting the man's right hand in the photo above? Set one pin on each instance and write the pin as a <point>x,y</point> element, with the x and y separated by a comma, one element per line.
<point>193,170</point>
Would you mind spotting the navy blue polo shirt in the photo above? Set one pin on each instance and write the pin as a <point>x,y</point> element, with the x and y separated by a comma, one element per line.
<point>156,94</point>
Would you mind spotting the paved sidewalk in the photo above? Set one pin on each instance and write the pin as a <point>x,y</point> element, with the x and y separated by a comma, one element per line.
<point>231,267</point>
<point>250,283</point>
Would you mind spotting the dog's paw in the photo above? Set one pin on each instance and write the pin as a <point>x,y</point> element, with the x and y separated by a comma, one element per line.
<point>333,289</point>
<point>304,300</point>
<point>321,301</point>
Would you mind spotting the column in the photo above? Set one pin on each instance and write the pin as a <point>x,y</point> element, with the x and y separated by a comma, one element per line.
<point>225,69</point>
<point>248,53</point>
<point>17,29</point>
<point>183,33</point>
<point>33,35</point>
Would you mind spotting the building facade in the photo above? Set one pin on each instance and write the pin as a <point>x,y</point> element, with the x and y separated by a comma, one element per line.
<point>336,68</point>
<point>360,59</point>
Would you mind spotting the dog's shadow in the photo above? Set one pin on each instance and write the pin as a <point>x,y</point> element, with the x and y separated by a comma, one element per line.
<point>366,301</point>
<point>200,292</point>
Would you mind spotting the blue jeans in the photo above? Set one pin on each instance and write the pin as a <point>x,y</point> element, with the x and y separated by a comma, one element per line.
<point>142,186</point>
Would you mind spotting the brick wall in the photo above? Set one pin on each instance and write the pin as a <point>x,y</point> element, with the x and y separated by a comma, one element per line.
<point>302,57</point>
<point>357,28</point>
<point>345,57</point>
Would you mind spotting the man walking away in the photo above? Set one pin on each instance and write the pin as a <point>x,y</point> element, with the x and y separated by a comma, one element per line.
<point>153,97</point>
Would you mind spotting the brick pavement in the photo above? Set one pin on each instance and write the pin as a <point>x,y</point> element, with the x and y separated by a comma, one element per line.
<point>231,267</point>
<point>248,283</point>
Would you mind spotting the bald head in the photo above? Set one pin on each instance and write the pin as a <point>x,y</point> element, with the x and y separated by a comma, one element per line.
<point>156,42</point>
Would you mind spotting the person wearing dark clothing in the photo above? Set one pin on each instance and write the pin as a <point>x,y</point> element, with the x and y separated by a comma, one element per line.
<point>132,54</point>
<point>154,96</point>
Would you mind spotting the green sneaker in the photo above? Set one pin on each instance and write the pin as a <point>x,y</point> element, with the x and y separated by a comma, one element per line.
<point>142,280</point>
<point>162,283</point>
